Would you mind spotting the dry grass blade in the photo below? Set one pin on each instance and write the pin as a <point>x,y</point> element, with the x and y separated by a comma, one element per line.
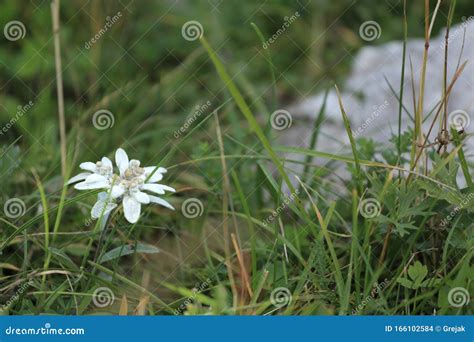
<point>123,311</point>
<point>441,106</point>
<point>243,270</point>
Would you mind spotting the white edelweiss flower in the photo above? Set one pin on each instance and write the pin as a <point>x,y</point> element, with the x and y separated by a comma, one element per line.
<point>97,176</point>
<point>130,185</point>
<point>134,180</point>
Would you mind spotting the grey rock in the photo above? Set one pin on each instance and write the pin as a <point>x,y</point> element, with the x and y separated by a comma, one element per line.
<point>373,108</point>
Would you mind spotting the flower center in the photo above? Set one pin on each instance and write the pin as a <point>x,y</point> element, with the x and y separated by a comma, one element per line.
<point>133,177</point>
<point>133,171</point>
<point>103,170</point>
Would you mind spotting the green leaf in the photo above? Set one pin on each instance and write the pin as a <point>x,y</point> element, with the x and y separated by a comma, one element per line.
<point>431,282</point>
<point>405,282</point>
<point>417,273</point>
<point>450,196</point>
<point>401,228</point>
<point>127,250</point>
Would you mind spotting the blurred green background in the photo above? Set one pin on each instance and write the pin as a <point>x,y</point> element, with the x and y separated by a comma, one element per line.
<point>151,79</point>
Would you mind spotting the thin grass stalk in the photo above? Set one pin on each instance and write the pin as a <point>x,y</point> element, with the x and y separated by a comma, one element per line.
<point>225,211</point>
<point>352,141</point>
<point>59,86</point>
<point>420,107</point>
<point>402,80</point>
<point>315,134</point>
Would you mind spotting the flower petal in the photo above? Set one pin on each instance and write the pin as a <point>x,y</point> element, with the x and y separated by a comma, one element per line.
<point>131,209</point>
<point>107,162</point>
<point>93,181</point>
<point>102,196</point>
<point>157,175</point>
<point>121,159</point>
<point>88,166</point>
<point>102,207</point>
<point>91,186</point>
<point>155,178</point>
<point>160,201</point>
<point>150,169</point>
<point>94,178</point>
<point>117,191</point>
<point>141,197</point>
<point>81,176</point>
<point>157,188</point>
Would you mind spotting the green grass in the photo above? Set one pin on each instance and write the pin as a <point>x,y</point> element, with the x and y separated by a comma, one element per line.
<point>254,249</point>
